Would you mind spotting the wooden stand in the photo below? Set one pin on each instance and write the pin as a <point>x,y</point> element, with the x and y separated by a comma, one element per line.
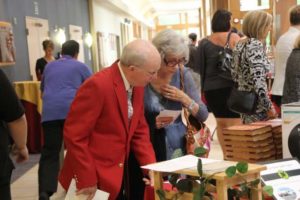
<point>222,181</point>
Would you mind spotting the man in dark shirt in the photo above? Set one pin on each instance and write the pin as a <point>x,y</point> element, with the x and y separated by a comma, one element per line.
<point>193,51</point>
<point>13,122</point>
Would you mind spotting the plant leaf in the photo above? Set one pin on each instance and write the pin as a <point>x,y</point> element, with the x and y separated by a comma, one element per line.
<point>196,192</point>
<point>184,185</point>
<point>255,182</point>
<point>173,179</point>
<point>242,167</point>
<point>230,171</point>
<point>268,189</point>
<point>161,194</point>
<point>177,153</point>
<point>202,190</point>
<point>200,151</point>
<point>283,174</point>
<point>199,167</point>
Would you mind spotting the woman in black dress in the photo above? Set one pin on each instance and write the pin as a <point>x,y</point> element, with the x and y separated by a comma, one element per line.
<point>48,47</point>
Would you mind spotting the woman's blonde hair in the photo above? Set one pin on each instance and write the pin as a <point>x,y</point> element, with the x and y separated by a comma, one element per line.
<point>256,23</point>
<point>297,42</point>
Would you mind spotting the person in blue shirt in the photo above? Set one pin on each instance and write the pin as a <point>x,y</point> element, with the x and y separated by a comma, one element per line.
<point>60,81</point>
<point>168,137</point>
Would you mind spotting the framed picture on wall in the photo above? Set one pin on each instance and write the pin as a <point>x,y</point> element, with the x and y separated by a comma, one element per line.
<point>7,46</point>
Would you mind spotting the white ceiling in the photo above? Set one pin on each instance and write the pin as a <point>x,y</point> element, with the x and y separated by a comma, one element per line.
<point>147,10</point>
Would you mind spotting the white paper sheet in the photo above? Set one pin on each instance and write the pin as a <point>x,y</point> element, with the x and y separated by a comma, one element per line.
<point>170,113</point>
<point>71,194</point>
<point>184,162</point>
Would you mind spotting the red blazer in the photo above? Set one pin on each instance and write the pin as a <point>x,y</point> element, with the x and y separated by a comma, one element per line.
<point>98,135</point>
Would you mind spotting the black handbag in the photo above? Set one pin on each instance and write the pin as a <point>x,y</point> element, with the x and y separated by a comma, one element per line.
<point>242,102</point>
<point>224,60</point>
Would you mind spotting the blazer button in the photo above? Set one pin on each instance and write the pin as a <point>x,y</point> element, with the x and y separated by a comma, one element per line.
<point>120,165</point>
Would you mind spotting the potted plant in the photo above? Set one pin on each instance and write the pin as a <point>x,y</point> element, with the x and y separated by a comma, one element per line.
<point>202,187</point>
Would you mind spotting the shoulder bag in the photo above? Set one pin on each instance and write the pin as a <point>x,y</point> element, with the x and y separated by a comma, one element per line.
<point>242,102</point>
<point>224,60</point>
<point>198,134</point>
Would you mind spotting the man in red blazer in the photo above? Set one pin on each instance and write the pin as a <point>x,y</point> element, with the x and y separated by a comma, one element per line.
<point>100,130</point>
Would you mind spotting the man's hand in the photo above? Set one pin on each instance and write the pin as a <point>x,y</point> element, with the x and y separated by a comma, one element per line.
<point>149,181</point>
<point>89,192</point>
<point>21,154</point>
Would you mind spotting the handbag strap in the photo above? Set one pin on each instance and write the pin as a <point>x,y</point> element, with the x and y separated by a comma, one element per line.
<point>227,40</point>
<point>185,112</point>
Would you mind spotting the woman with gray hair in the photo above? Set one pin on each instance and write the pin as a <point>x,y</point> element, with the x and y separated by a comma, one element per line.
<point>251,65</point>
<point>168,137</point>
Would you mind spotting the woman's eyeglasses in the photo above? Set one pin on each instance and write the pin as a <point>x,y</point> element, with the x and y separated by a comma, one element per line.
<point>173,63</point>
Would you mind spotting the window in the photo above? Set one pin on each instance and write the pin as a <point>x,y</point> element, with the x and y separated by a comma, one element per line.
<point>193,17</point>
<point>169,19</point>
<point>246,5</point>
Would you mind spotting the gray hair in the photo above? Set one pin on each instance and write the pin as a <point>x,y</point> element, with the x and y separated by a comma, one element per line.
<point>168,42</point>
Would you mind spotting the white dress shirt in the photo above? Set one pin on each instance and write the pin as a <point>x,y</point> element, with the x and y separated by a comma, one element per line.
<point>284,47</point>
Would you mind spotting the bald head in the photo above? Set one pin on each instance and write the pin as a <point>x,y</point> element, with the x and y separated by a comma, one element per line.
<point>138,53</point>
<point>140,62</point>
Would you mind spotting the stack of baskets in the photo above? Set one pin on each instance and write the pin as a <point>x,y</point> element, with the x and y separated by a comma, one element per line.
<point>257,142</point>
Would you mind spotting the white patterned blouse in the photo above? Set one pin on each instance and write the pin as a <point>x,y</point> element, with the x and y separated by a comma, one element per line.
<point>249,70</point>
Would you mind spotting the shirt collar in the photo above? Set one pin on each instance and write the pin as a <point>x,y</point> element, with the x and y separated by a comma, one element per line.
<point>66,57</point>
<point>126,83</point>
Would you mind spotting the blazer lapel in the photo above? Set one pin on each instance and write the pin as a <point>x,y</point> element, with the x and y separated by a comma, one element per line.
<point>135,105</point>
<point>121,95</point>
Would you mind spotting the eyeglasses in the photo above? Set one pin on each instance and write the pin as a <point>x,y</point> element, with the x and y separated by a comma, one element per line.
<point>173,63</point>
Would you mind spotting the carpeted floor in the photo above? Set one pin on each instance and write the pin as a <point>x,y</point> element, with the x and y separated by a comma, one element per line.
<point>22,168</point>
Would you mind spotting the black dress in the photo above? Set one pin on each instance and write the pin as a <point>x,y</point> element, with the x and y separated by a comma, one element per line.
<point>40,65</point>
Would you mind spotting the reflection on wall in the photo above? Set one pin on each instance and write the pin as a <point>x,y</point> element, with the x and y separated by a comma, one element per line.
<point>108,48</point>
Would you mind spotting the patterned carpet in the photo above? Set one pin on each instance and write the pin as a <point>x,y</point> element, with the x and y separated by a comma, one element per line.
<point>22,168</point>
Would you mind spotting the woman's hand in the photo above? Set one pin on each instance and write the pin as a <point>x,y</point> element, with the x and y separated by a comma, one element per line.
<point>175,94</point>
<point>272,114</point>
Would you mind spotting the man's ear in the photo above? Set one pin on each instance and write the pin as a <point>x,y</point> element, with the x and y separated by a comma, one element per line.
<point>131,68</point>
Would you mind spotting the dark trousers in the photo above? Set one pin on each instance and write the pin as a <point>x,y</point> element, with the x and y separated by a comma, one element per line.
<point>49,161</point>
<point>136,183</point>
<point>5,187</point>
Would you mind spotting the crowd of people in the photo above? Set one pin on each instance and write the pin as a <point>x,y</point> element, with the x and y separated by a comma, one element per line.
<point>109,121</point>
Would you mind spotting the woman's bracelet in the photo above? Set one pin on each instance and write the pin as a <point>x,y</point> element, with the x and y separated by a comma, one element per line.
<point>191,106</point>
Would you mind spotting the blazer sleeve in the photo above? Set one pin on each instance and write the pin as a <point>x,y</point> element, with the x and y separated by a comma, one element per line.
<point>82,117</point>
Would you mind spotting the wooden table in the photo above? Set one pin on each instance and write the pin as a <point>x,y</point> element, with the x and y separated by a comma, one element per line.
<point>222,181</point>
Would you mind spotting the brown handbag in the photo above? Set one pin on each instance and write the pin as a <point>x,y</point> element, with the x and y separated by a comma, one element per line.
<point>197,134</point>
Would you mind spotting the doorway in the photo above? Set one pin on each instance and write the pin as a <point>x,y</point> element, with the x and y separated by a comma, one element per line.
<point>76,34</point>
<point>37,31</point>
